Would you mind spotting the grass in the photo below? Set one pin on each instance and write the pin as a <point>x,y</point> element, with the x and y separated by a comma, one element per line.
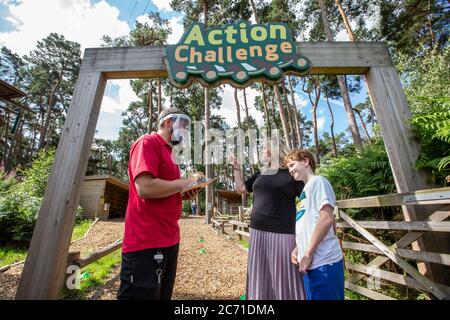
<point>244,243</point>
<point>94,275</point>
<point>80,228</point>
<point>10,254</point>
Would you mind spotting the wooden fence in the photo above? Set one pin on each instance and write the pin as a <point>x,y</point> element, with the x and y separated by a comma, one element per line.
<point>397,252</point>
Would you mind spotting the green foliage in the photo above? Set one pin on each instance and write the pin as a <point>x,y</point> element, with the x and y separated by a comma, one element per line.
<point>425,80</point>
<point>20,202</point>
<point>361,174</point>
<point>36,177</point>
<point>94,275</point>
<point>433,131</point>
<point>20,205</point>
<point>7,181</point>
<point>9,255</point>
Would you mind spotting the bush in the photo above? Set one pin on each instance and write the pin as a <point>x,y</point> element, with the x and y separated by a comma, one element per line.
<point>361,174</point>
<point>19,205</point>
<point>433,131</point>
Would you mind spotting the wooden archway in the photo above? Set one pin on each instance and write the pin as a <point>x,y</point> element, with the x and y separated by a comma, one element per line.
<point>45,265</point>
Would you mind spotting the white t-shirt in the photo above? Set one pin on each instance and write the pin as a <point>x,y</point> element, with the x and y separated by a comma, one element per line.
<point>316,193</point>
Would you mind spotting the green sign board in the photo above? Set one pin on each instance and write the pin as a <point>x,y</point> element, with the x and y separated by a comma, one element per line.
<point>238,54</point>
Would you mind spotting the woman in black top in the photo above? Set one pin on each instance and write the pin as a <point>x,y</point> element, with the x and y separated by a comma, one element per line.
<point>270,273</point>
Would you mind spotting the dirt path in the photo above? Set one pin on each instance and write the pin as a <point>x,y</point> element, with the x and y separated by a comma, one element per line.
<point>101,234</point>
<point>216,272</point>
<point>210,266</point>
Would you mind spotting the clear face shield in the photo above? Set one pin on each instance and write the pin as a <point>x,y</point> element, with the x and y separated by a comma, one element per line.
<point>181,127</point>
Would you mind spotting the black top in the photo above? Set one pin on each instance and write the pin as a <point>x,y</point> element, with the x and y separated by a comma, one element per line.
<point>274,201</point>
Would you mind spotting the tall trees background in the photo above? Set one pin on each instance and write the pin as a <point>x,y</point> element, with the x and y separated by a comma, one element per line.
<point>416,32</point>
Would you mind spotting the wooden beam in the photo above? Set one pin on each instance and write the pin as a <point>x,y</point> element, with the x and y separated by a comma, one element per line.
<point>326,58</point>
<point>392,112</point>
<point>367,292</point>
<point>401,225</point>
<point>45,266</point>
<point>385,275</point>
<point>402,243</point>
<point>242,233</point>
<point>434,257</point>
<point>429,196</point>
<point>99,254</point>
<point>424,281</point>
<point>239,223</point>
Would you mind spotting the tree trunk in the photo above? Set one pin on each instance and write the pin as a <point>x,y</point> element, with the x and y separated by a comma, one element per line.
<point>363,125</point>
<point>273,110</point>
<point>284,122</point>
<point>245,104</point>
<point>314,104</point>
<point>238,108</point>
<point>342,85</point>
<point>9,157</point>
<point>17,154</point>
<point>350,33</point>
<point>6,135</point>
<point>33,141</point>
<point>252,3</point>
<point>296,119</point>
<point>159,97</point>
<point>208,167</point>
<point>150,106</point>
<point>332,129</point>
<point>430,27</point>
<point>51,104</point>
<point>266,110</point>
<point>292,133</point>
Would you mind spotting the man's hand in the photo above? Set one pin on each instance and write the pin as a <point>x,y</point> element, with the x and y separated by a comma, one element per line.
<point>186,183</point>
<point>190,195</point>
<point>304,264</point>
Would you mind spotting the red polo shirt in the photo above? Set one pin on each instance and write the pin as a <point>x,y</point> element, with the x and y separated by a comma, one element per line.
<point>151,223</point>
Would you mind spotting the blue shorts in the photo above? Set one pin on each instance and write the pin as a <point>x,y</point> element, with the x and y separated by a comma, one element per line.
<point>325,282</point>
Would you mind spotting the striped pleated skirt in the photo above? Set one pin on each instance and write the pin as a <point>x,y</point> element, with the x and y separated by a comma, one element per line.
<point>270,272</point>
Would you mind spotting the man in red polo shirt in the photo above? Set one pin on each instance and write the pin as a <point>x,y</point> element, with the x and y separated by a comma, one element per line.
<point>152,233</point>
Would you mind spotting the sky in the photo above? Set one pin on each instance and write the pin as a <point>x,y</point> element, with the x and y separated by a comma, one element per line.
<point>24,22</point>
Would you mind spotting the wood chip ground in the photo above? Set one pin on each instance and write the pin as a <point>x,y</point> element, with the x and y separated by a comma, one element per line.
<point>210,266</point>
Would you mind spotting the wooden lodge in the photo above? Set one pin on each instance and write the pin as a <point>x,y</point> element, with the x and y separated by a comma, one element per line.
<point>228,202</point>
<point>103,197</point>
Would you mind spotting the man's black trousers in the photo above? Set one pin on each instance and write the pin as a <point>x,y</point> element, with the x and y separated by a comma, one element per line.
<point>148,274</point>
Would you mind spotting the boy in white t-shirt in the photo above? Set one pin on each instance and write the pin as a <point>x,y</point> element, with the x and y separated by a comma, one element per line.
<point>318,252</point>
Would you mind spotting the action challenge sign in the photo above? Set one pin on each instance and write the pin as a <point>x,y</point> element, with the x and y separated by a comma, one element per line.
<point>238,54</point>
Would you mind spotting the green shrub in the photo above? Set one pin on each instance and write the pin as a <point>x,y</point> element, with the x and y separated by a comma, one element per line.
<point>433,131</point>
<point>19,205</point>
<point>361,174</point>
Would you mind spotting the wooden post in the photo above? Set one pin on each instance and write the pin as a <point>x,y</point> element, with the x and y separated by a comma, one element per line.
<point>45,266</point>
<point>391,108</point>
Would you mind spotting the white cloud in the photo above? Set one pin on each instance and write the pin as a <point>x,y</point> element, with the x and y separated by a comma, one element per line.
<point>110,119</point>
<point>342,36</point>
<point>228,108</point>
<point>320,122</point>
<point>162,5</point>
<point>125,96</point>
<point>300,101</point>
<point>176,24</point>
<point>79,20</point>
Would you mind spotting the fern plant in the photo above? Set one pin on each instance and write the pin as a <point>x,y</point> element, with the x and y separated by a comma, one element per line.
<point>433,131</point>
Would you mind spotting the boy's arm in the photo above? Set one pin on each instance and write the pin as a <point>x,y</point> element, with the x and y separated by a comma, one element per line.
<point>326,220</point>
